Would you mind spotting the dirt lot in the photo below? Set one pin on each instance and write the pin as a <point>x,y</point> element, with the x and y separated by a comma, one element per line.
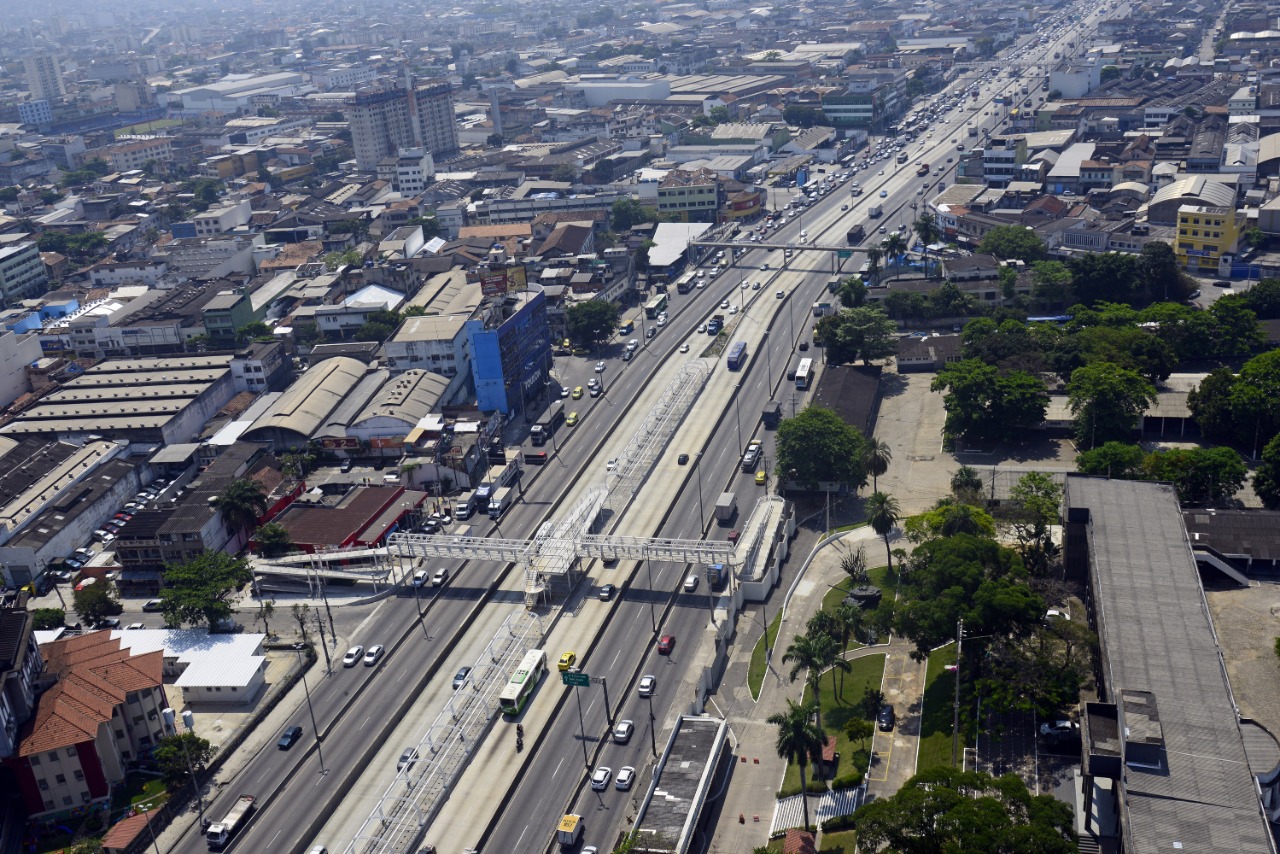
<point>1247,622</point>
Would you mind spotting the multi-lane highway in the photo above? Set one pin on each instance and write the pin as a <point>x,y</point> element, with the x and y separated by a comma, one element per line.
<point>357,709</point>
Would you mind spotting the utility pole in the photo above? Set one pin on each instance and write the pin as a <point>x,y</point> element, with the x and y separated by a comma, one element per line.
<point>314,727</point>
<point>955,712</point>
<point>324,647</point>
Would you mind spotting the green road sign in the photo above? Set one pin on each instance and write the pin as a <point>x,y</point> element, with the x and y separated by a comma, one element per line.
<point>844,253</point>
<point>575,680</point>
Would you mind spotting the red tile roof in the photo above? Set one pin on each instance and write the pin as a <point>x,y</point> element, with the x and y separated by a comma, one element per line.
<point>94,675</point>
<point>799,842</point>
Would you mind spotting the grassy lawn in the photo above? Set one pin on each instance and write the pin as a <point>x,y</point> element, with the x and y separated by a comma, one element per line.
<point>147,127</point>
<point>938,710</point>
<point>868,672</point>
<point>880,577</point>
<point>138,789</point>
<point>755,674</point>
<point>839,842</point>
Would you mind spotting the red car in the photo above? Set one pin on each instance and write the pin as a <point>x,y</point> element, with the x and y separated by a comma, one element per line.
<point>665,644</point>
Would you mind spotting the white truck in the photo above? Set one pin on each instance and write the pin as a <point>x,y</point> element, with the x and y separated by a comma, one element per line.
<point>220,832</point>
<point>726,506</point>
<point>466,505</point>
<point>499,502</point>
<point>569,830</point>
<point>875,211</point>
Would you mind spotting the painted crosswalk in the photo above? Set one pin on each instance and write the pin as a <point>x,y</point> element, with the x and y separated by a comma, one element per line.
<point>789,812</point>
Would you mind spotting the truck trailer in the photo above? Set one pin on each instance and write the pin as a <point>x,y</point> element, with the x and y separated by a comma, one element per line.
<point>547,425</point>
<point>726,506</point>
<point>220,832</point>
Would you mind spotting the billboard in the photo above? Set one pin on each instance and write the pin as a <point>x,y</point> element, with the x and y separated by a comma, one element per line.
<point>498,281</point>
<point>344,442</point>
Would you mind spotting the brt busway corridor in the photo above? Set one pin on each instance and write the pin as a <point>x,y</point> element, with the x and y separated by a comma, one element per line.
<point>551,561</point>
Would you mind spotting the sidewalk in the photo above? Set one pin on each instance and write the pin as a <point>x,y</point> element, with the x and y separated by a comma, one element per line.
<point>755,782</point>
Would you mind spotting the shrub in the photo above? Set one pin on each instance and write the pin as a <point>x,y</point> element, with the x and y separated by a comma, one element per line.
<point>788,791</point>
<point>817,787</point>
<point>852,780</point>
<point>837,822</point>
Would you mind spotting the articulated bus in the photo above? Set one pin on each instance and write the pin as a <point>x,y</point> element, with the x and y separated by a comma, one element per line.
<point>804,373</point>
<point>655,306</point>
<point>522,682</point>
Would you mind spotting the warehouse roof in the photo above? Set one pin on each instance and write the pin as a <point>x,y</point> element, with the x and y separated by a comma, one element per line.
<point>409,397</point>
<point>307,404</point>
<point>1157,637</point>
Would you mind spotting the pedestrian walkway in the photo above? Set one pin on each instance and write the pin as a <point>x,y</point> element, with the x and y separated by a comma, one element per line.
<point>789,812</point>
<point>751,808</point>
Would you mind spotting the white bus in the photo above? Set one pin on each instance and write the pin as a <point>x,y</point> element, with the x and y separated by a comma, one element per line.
<point>804,373</point>
<point>522,682</point>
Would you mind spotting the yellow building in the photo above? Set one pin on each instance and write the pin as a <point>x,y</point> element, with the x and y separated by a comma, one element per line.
<point>1205,234</point>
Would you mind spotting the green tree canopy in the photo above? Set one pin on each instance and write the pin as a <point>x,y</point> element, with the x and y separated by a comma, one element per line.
<point>174,754</point>
<point>984,404</point>
<point>1266,478</point>
<point>94,602</point>
<point>195,592</point>
<point>967,577</point>
<point>1242,409</point>
<point>1009,242</point>
<point>591,323</point>
<point>948,518</point>
<point>1200,475</point>
<point>946,809</point>
<point>48,618</point>
<point>628,212</point>
<point>799,740</point>
<point>1107,401</point>
<point>851,334</point>
<point>1119,460</point>
<point>818,446</point>
<point>273,540</point>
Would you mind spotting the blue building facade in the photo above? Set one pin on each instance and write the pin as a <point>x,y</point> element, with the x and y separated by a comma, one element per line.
<point>511,357</point>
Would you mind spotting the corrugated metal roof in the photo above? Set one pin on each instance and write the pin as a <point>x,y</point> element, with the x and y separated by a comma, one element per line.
<point>1154,627</point>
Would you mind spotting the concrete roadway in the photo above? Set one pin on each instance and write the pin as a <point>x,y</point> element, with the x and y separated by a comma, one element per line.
<point>351,704</point>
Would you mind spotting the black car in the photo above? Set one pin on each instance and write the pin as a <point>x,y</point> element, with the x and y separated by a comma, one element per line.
<point>683,459</point>
<point>290,735</point>
<point>886,719</point>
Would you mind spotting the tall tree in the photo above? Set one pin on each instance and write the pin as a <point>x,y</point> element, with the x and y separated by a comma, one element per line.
<point>1107,401</point>
<point>273,540</point>
<point>818,446</point>
<point>94,602</point>
<point>982,403</point>
<point>882,515</point>
<point>926,228</point>
<point>966,485</point>
<point>174,754</point>
<point>894,245</point>
<point>592,322</point>
<point>876,459</point>
<point>851,334</point>
<point>799,741</point>
<point>946,809</point>
<point>874,255</point>
<point>195,592</point>
<point>1119,460</point>
<point>809,653</point>
<point>1266,478</point>
<point>241,505</point>
<point>1013,242</point>
<point>1039,501</point>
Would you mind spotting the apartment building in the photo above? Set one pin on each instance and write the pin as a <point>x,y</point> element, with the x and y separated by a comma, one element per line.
<point>385,119</point>
<point>1205,234</point>
<point>22,272</point>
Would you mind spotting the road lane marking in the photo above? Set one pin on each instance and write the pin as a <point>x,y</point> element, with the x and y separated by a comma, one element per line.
<point>366,722</point>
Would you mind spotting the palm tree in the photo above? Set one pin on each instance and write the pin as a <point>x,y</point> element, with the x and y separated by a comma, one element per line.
<point>882,514</point>
<point>966,485</point>
<point>848,622</point>
<point>809,653</point>
<point>799,740</point>
<point>874,255</point>
<point>894,245</point>
<point>876,458</point>
<point>241,504</point>
<point>960,519</point>
<point>926,228</point>
<point>836,661</point>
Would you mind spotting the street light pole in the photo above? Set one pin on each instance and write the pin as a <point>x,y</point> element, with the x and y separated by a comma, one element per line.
<point>955,715</point>
<point>314,727</point>
<point>653,736</point>
<point>145,814</point>
<point>653,619</point>
<point>702,518</point>
<point>582,726</point>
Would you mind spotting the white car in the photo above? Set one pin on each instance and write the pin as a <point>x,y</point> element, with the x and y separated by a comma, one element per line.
<point>600,779</point>
<point>420,577</point>
<point>599,367</point>
<point>724,304</point>
<point>733,309</point>
<point>702,327</point>
<point>375,652</point>
<point>611,464</point>
<point>648,684</point>
<point>626,776</point>
<point>622,731</point>
<point>353,655</point>
<point>684,348</point>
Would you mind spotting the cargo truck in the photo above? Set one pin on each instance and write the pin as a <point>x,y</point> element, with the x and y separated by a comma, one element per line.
<point>534,457</point>
<point>855,235</point>
<point>466,505</point>
<point>922,169</point>
<point>220,832</point>
<point>875,211</point>
<point>772,414</point>
<point>499,502</point>
<point>570,831</point>
<point>547,425</point>
<point>716,574</point>
<point>726,506</point>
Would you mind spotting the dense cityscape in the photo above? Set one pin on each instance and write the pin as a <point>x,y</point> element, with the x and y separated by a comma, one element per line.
<point>360,364</point>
